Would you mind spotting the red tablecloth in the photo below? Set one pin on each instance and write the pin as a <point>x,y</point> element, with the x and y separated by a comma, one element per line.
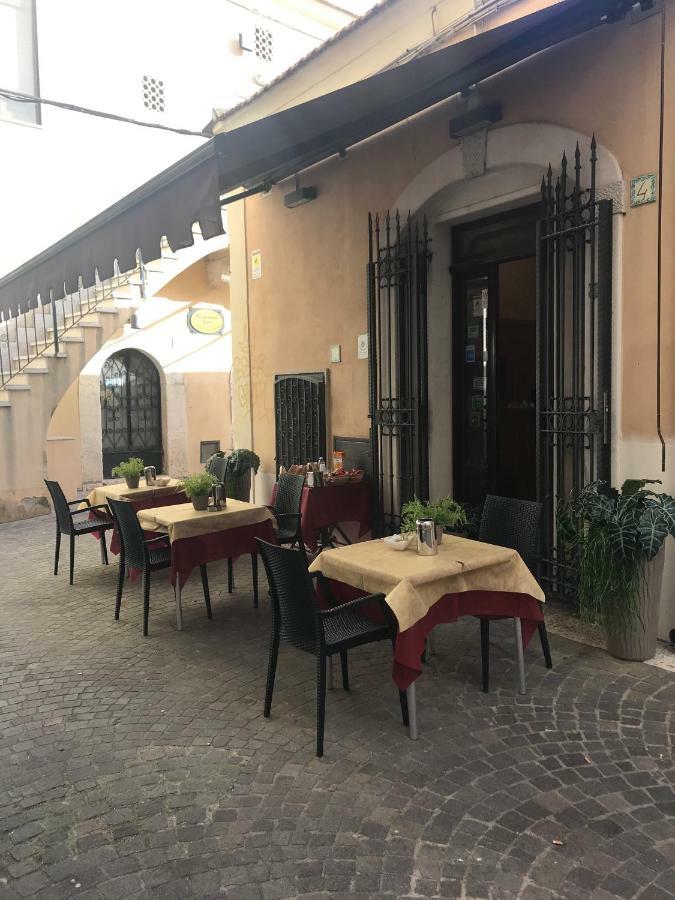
<point>188,553</point>
<point>145,503</point>
<point>324,507</point>
<point>410,643</point>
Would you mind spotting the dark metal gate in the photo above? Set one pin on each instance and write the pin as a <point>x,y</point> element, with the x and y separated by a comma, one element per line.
<point>574,322</point>
<point>398,379</point>
<point>300,418</point>
<point>130,410</point>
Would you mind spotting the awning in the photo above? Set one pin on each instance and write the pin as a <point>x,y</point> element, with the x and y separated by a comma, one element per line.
<point>280,145</point>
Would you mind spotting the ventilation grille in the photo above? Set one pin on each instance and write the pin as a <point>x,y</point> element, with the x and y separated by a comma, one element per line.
<point>263,44</point>
<point>153,93</point>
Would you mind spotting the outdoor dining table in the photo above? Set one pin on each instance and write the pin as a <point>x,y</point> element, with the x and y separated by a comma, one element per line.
<point>204,536</point>
<point>465,578</point>
<point>323,509</point>
<point>144,496</point>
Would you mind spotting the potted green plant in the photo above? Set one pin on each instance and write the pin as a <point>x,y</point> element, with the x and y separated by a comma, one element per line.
<point>131,470</point>
<point>198,487</point>
<point>618,537</point>
<point>446,513</point>
<point>238,473</point>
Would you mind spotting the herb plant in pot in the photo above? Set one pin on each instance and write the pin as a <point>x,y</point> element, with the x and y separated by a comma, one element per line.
<point>198,487</point>
<point>447,514</point>
<point>131,470</point>
<point>619,538</point>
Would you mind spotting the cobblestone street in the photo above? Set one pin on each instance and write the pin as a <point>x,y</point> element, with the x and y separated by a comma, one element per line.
<point>134,767</point>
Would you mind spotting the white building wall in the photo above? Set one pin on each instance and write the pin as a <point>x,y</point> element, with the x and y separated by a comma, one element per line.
<point>55,176</point>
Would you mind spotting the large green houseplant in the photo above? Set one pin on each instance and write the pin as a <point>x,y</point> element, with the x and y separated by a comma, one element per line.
<point>618,536</point>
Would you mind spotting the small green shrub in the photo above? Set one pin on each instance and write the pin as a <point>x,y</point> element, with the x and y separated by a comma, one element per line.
<point>446,513</point>
<point>199,484</point>
<point>130,468</point>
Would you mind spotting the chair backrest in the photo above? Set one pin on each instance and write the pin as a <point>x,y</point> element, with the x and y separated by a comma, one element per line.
<point>293,597</point>
<point>512,523</point>
<point>218,467</point>
<point>289,494</point>
<point>61,508</point>
<point>130,531</point>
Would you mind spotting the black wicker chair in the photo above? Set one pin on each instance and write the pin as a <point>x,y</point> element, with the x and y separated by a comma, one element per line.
<point>510,523</point>
<point>148,555</point>
<point>67,522</point>
<point>298,620</point>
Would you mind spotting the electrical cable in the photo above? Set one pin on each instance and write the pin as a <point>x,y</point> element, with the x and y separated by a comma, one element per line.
<point>19,97</point>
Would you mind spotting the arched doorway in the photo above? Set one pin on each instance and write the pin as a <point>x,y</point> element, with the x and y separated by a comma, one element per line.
<point>131,421</point>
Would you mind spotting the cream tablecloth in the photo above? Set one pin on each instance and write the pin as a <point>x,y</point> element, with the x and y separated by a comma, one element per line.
<point>412,584</point>
<point>184,521</point>
<point>120,491</point>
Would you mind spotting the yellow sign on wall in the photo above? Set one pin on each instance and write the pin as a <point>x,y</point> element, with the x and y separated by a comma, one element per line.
<point>206,321</point>
<point>256,264</point>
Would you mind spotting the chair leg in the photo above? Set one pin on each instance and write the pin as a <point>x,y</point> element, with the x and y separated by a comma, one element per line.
<point>485,653</point>
<point>146,600</point>
<point>543,637</point>
<point>120,585</point>
<point>104,549</point>
<point>403,699</point>
<point>271,671</point>
<point>205,585</point>
<point>230,576</point>
<point>72,557</point>
<point>320,702</point>
<point>345,670</point>
<point>254,571</point>
<point>57,551</point>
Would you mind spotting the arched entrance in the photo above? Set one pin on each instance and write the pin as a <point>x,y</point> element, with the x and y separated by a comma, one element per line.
<point>131,421</point>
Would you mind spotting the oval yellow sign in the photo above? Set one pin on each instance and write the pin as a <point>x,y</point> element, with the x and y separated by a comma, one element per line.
<point>206,321</point>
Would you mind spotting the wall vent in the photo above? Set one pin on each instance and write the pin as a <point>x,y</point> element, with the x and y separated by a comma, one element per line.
<point>264,44</point>
<point>153,93</point>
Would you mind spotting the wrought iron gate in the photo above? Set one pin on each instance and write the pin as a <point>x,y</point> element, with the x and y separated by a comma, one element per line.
<point>398,380</point>
<point>130,410</point>
<point>300,418</point>
<point>574,322</point>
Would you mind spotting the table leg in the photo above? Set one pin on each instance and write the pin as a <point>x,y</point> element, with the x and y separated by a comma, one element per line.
<point>179,610</point>
<point>518,635</point>
<point>412,712</point>
<point>330,673</point>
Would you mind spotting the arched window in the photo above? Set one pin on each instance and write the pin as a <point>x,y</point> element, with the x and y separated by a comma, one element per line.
<point>131,419</point>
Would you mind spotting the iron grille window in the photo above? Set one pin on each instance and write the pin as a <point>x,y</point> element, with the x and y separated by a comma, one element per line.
<point>153,93</point>
<point>264,44</point>
<point>300,418</point>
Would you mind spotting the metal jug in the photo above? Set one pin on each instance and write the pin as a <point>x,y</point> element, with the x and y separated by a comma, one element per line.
<point>427,544</point>
<point>150,473</point>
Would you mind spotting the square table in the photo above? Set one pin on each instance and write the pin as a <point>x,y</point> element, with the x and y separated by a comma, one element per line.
<point>464,578</point>
<point>204,536</point>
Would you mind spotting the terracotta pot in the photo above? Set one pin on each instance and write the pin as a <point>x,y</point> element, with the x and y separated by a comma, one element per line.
<point>200,501</point>
<point>132,481</point>
<point>639,642</point>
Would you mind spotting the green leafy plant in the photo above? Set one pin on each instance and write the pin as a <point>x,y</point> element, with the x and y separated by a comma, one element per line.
<point>130,468</point>
<point>199,484</point>
<point>615,534</point>
<point>446,513</point>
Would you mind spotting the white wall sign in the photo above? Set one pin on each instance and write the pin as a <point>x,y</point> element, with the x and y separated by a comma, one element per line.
<point>362,346</point>
<point>335,353</point>
<point>256,264</point>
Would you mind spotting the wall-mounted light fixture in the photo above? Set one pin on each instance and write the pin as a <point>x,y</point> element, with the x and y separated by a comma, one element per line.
<point>475,120</point>
<point>300,195</point>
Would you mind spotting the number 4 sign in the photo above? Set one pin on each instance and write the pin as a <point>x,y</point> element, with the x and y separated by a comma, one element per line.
<point>642,190</point>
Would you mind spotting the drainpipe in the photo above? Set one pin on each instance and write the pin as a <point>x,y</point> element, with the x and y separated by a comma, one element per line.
<point>659,239</point>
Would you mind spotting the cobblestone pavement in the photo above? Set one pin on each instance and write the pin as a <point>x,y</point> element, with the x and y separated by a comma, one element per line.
<point>134,767</point>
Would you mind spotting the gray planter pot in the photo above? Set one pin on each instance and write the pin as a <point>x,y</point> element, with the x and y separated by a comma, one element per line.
<point>201,501</point>
<point>639,642</point>
<point>132,481</point>
<point>240,488</point>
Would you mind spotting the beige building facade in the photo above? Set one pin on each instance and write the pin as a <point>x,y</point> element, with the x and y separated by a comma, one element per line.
<point>311,289</point>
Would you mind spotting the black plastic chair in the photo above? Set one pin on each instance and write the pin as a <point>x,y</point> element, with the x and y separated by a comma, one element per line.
<point>68,523</point>
<point>508,522</point>
<point>147,554</point>
<point>298,620</point>
<point>286,511</point>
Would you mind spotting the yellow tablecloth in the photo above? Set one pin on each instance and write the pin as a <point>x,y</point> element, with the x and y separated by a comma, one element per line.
<point>120,491</point>
<point>184,521</point>
<point>412,584</point>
